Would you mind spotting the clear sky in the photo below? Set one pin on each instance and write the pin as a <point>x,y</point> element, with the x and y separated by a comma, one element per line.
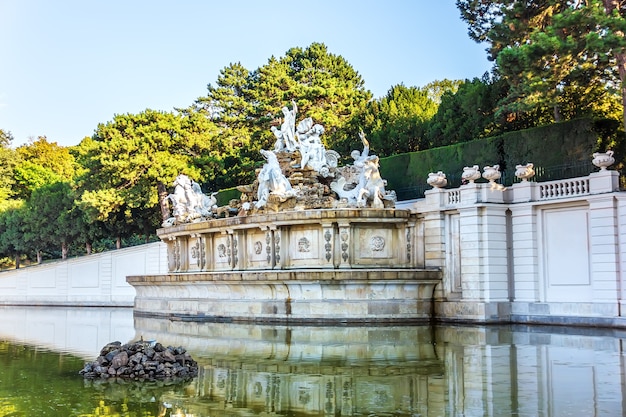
<point>68,65</point>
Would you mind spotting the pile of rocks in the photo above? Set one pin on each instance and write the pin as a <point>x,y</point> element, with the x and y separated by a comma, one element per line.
<point>141,361</point>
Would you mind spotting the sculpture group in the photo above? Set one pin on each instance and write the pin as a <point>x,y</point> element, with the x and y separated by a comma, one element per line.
<point>299,173</point>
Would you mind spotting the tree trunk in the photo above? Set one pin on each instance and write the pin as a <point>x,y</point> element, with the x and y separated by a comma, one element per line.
<point>557,113</point>
<point>39,260</point>
<point>88,248</point>
<point>165,208</point>
<point>17,261</point>
<point>118,242</point>
<point>64,250</point>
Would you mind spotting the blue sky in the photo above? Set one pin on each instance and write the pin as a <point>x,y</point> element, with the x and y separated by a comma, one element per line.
<point>68,65</point>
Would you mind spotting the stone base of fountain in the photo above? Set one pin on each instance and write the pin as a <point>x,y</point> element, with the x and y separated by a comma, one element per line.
<point>304,296</point>
<point>342,265</point>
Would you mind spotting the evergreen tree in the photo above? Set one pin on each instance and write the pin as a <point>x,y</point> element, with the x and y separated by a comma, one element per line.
<point>561,59</point>
<point>130,161</point>
<point>397,122</point>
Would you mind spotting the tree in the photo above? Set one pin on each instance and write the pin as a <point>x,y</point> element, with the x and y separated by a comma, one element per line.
<point>232,155</point>
<point>469,113</point>
<point>12,243</point>
<point>41,163</point>
<point>245,104</point>
<point>562,57</point>
<point>397,122</point>
<point>8,160</point>
<point>324,85</point>
<point>52,220</point>
<point>436,89</point>
<point>130,161</point>
<point>58,159</point>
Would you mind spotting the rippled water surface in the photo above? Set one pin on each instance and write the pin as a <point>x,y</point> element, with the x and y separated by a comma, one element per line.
<point>248,370</point>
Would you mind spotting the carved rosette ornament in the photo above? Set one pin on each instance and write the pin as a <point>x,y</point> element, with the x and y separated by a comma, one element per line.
<point>304,245</point>
<point>221,250</point>
<point>377,243</point>
<point>603,160</point>
<point>258,247</point>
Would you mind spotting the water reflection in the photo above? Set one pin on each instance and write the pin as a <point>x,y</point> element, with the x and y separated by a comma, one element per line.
<point>321,371</point>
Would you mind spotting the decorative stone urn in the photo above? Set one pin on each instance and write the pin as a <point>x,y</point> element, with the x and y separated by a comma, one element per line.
<point>603,159</point>
<point>492,173</point>
<point>471,174</point>
<point>437,179</point>
<point>524,172</point>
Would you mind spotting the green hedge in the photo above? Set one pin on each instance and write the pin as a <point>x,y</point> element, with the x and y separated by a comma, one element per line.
<point>559,144</point>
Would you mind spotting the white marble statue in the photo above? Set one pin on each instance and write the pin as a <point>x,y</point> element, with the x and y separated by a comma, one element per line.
<point>361,184</point>
<point>311,147</point>
<point>371,185</point>
<point>189,203</point>
<point>272,181</point>
<point>361,157</point>
<point>286,136</point>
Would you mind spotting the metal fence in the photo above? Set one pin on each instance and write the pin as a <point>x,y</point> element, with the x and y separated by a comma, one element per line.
<point>542,174</point>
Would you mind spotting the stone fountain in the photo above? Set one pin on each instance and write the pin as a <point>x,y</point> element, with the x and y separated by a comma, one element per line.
<point>308,241</point>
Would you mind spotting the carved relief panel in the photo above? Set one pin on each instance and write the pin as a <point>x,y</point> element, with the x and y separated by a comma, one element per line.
<point>256,249</point>
<point>222,253</point>
<point>375,245</point>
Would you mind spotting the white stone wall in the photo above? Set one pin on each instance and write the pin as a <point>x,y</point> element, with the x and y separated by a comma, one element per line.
<point>93,280</point>
<point>535,252</point>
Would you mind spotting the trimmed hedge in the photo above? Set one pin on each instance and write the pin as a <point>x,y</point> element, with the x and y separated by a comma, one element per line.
<point>560,144</point>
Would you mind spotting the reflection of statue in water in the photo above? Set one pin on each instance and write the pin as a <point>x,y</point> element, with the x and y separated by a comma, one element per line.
<point>188,202</point>
<point>272,181</point>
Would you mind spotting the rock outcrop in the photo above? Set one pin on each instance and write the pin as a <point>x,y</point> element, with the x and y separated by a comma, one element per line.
<point>141,360</point>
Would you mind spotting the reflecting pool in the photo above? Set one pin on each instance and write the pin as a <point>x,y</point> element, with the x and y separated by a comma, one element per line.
<point>248,370</point>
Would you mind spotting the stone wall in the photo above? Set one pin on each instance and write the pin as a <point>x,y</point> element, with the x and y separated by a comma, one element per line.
<point>93,280</point>
<point>532,253</point>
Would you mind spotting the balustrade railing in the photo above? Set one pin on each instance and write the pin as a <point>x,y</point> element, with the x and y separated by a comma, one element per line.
<point>555,182</point>
<point>563,188</point>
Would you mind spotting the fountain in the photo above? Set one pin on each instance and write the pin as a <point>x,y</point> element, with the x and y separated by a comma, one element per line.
<point>307,241</point>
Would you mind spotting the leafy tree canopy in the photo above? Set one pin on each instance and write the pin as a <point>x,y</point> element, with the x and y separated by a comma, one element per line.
<point>8,161</point>
<point>396,123</point>
<point>560,57</point>
<point>128,157</point>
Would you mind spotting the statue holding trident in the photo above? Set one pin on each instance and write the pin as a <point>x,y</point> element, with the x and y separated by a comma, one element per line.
<point>361,157</point>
